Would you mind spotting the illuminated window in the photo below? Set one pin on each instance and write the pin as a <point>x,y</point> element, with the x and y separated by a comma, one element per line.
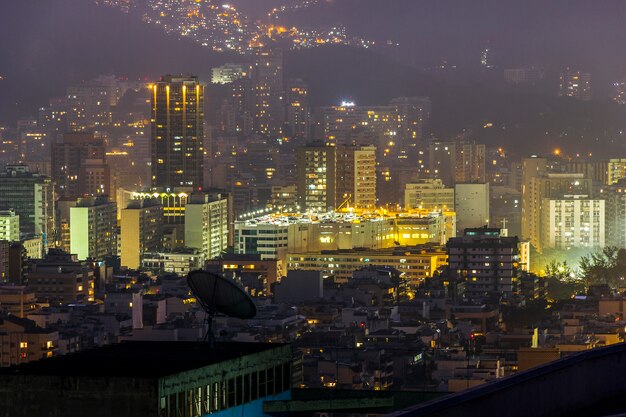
<point>23,345</point>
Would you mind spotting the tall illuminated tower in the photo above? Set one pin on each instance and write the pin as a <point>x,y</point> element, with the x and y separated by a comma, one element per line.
<point>316,166</point>
<point>177,132</point>
<point>268,91</point>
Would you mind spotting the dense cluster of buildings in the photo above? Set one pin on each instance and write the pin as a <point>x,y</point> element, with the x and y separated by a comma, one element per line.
<point>387,258</point>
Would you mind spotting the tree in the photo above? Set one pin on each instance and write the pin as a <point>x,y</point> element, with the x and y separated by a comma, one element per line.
<point>562,281</point>
<point>605,267</point>
<point>559,270</point>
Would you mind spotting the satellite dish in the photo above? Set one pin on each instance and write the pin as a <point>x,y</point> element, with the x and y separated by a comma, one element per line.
<point>216,294</point>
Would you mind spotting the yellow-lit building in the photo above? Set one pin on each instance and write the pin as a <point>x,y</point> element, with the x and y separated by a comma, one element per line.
<point>173,202</point>
<point>273,236</point>
<point>93,228</point>
<point>356,176</point>
<point>424,226</point>
<point>616,170</point>
<point>316,172</point>
<point>430,194</point>
<point>177,132</point>
<point>141,230</point>
<point>416,263</point>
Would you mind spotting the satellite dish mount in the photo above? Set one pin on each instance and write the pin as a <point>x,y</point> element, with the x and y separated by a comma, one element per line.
<point>216,294</point>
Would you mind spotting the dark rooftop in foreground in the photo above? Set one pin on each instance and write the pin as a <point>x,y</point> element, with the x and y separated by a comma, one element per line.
<point>139,359</point>
<point>589,384</point>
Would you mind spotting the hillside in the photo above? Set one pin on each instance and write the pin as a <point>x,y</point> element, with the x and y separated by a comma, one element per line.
<point>46,45</point>
<point>556,33</point>
<point>67,41</point>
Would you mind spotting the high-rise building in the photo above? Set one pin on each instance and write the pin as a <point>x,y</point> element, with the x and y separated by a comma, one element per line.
<point>486,261</point>
<point>505,210</point>
<point>361,125</point>
<point>316,167</point>
<point>268,91</point>
<point>93,228</point>
<point>173,203</point>
<point>616,170</point>
<point>31,196</point>
<point>575,84</point>
<point>9,226</point>
<point>413,117</point>
<point>457,161</point>
<point>428,194</point>
<point>206,224</point>
<point>33,141</point>
<point>470,162</point>
<point>227,73</point>
<point>69,160</point>
<point>471,204</point>
<point>141,231</point>
<point>13,258</point>
<point>95,178</point>
<point>298,109</point>
<point>615,216</point>
<point>573,221</point>
<point>441,161</point>
<point>177,132</point>
<point>88,105</point>
<point>355,176</point>
<point>531,167</point>
<point>541,190</point>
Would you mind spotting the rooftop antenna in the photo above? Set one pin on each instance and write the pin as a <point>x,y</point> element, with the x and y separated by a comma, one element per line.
<point>217,294</point>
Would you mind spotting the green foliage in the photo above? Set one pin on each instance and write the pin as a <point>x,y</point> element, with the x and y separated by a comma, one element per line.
<point>562,281</point>
<point>607,266</point>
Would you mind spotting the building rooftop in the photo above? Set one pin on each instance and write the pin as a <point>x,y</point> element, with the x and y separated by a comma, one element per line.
<point>350,216</point>
<point>139,359</point>
<point>427,248</point>
<point>30,327</point>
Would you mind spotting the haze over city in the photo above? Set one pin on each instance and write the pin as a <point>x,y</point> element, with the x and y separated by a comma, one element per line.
<point>312,207</point>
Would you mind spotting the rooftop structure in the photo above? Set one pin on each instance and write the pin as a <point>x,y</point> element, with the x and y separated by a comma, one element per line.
<point>149,379</point>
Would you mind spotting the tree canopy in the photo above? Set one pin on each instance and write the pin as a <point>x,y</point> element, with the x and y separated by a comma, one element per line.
<point>605,267</point>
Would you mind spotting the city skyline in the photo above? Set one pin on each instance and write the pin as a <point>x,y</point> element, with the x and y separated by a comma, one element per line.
<point>312,207</point>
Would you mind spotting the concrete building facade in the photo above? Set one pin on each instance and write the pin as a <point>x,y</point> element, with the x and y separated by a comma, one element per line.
<point>206,224</point>
<point>471,204</point>
<point>9,226</point>
<point>141,230</point>
<point>93,228</point>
